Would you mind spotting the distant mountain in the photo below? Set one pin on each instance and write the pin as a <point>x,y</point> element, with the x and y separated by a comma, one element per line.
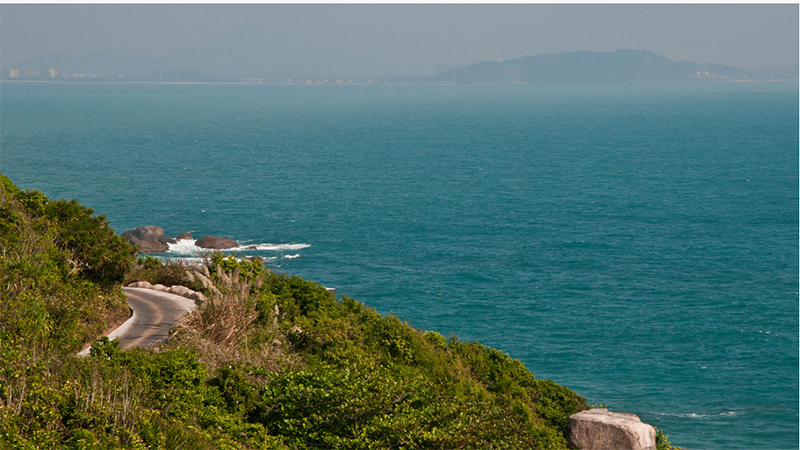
<point>621,66</point>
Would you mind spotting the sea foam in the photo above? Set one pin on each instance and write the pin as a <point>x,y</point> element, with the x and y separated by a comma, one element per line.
<point>189,247</point>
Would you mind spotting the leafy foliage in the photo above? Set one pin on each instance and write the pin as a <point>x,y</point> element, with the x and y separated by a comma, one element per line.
<point>662,442</point>
<point>60,269</point>
<point>229,263</point>
<point>101,255</point>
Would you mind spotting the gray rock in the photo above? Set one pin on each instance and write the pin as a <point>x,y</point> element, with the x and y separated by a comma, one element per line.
<point>160,287</point>
<point>183,291</point>
<point>149,239</point>
<point>600,429</point>
<point>148,246</point>
<point>141,284</point>
<point>199,298</point>
<point>184,236</point>
<point>148,233</point>
<point>216,243</point>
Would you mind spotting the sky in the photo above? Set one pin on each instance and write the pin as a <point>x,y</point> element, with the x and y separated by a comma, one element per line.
<point>400,39</point>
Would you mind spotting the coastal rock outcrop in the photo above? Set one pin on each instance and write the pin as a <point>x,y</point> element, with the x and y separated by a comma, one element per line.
<point>601,429</point>
<point>149,239</point>
<point>216,243</point>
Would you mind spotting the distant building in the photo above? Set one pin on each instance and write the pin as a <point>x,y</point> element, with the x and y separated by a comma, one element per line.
<point>52,73</point>
<point>31,74</point>
<point>13,73</point>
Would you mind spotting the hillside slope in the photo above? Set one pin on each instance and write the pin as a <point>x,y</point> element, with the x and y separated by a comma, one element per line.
<point>269,361</point>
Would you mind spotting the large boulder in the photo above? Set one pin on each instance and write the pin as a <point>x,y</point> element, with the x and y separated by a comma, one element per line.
<point>601,429</point>
<point>216,243</point>
<point>149,239</point>
<point>183,291</point>
<point>184,236</point>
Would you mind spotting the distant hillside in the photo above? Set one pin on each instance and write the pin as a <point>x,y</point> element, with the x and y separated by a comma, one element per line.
<point>621,66</point>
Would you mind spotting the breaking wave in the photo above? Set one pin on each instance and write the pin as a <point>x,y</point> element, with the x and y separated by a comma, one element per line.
<point>189,247</point>
<point>699,416</point>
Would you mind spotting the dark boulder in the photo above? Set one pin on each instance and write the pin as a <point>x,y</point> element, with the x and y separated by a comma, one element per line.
<point>216,243</point>
<point>149,233</point>
<point>184,236</point>
<point>148,239</point>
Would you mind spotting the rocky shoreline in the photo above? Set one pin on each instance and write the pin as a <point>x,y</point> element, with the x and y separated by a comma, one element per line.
<point>151,239</point>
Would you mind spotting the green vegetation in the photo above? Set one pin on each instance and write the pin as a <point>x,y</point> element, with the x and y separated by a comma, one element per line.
<point>269,361</point>
<point>60,270</point>
<point>662,442</point>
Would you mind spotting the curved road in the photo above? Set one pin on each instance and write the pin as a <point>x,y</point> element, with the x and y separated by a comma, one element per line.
<point>154,313</point>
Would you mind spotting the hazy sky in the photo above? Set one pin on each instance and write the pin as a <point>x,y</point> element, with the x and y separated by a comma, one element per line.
<point>399,39</point>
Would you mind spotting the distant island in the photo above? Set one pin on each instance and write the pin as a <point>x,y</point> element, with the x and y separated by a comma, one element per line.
<point>621,66</point>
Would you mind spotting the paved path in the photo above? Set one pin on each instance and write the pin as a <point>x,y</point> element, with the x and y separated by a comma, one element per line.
<point>154,313</point>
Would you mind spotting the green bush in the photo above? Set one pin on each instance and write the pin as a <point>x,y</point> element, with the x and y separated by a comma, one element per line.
<point>101,255</point>
<point>248,266</point>
<point>60,269</point>
<point>662,442</point>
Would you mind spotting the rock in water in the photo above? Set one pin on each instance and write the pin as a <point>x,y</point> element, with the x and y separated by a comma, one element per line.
<point>216,243</point>
<point>149,239</point>
<point>184,236</point>
<point>600,429</point>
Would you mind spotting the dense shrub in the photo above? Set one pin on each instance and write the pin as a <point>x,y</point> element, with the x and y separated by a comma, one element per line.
<point>100,255</point>
<point>60,269</point>
<point>247,266</point>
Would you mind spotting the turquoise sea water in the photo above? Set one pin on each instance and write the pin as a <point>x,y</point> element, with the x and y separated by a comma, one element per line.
<point>637,243</point>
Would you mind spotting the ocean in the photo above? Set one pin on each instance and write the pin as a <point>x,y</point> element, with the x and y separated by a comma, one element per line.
<point>636,243</point>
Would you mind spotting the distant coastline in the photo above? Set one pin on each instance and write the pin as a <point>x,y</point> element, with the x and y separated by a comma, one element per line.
<point>386,83</point>
<point>620,66</point>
